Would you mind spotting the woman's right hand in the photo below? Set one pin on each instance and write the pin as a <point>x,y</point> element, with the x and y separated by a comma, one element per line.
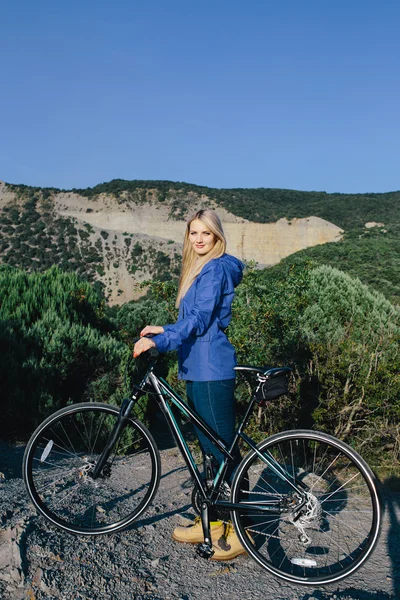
<point>154,329</point>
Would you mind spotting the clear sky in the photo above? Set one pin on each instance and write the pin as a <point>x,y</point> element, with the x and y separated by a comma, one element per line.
<point>299,94</point>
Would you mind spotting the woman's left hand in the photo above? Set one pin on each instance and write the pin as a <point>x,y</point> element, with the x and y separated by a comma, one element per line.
<point>143,345</point>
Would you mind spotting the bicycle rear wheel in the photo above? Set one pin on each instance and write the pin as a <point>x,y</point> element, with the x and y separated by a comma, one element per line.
<point>61,455</point>
<point>336,529</point>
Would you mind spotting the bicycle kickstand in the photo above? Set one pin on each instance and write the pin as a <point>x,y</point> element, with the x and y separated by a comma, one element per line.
<point>204,549</point>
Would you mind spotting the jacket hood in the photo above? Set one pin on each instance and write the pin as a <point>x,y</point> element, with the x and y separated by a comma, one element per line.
<point>233,268</point>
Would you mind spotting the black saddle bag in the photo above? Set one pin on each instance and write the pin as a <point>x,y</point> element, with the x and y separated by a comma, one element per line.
<point>272,388</point>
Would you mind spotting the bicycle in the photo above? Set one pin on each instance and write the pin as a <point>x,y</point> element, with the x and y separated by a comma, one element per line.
<point>304,505</point>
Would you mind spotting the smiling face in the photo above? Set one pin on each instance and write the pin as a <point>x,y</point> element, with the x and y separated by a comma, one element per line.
<point>201,238</point>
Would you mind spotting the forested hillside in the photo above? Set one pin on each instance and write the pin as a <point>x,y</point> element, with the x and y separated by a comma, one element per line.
<point>264,205</point>
<point>372,254</point>
<point>34,235</point>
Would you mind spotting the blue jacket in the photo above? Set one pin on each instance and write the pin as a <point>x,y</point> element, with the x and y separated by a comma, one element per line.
<point>204,352</point>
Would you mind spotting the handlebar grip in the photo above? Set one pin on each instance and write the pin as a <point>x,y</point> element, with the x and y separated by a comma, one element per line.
<point>153,352</point>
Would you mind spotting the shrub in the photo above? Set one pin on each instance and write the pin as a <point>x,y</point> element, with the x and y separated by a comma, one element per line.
<point>56,343</point>
<point>353,335</point>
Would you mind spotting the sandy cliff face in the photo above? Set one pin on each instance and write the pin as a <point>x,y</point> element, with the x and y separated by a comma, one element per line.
<point>266,243</point>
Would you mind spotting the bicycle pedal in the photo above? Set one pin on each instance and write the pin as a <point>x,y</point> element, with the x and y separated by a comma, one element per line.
<point>204,550</point>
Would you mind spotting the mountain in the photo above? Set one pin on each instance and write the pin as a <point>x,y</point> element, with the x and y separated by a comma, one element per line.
<point>121,233</point>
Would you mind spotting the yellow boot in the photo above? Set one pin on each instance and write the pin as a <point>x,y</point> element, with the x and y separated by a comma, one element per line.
<point>228,546</point>
<point>193,534</point>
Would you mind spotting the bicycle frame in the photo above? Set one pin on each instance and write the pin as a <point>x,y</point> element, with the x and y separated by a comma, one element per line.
<point>211,497</point>
<point>165,393</point>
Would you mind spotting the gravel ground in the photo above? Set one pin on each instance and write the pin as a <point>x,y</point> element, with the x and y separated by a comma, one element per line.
<point>40,562</point>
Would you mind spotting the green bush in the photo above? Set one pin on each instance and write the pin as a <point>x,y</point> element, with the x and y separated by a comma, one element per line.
<point>56,344</point>
<point>353,335</point>
<point>133,316</point>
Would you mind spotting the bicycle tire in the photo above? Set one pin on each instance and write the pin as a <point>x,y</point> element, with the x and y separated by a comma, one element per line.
<point>61,454</point>
<point>335,531</point>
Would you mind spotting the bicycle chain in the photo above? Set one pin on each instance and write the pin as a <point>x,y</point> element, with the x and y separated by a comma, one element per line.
<point>256,531</point>
<point>269,536</point>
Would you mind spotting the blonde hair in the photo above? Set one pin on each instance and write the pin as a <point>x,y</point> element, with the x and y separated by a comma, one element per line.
<point>192,264</point>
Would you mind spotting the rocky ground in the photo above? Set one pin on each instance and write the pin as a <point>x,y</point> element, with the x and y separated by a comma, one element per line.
<point>39,562</point>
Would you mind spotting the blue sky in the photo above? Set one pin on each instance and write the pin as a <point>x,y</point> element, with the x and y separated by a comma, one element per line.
<point>285,94</point>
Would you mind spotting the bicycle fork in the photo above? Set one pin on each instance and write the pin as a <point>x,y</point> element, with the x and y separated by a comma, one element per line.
<point>123,416</point>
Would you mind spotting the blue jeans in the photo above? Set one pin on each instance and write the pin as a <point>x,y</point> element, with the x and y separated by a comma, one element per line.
<point>215,403</point>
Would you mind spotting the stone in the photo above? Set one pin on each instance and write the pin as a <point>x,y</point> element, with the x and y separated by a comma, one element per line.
<point>10,556</point>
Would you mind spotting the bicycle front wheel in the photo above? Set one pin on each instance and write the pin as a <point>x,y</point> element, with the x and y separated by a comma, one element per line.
<point>59,460</point>
<point>320,534</point>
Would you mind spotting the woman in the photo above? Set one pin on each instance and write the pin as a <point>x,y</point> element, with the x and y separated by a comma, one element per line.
<point>205,356</point>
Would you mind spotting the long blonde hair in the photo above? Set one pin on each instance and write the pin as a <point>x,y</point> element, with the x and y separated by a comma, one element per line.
<point>192,264</point>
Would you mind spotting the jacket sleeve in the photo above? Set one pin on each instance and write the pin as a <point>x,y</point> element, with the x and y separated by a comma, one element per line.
<point>209,284</point>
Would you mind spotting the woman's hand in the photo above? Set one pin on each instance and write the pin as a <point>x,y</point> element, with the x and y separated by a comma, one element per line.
<point>142,346</point>
<point>154,329</point>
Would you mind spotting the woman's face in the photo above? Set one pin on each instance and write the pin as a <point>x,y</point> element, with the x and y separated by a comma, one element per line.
<point>201,238</point>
